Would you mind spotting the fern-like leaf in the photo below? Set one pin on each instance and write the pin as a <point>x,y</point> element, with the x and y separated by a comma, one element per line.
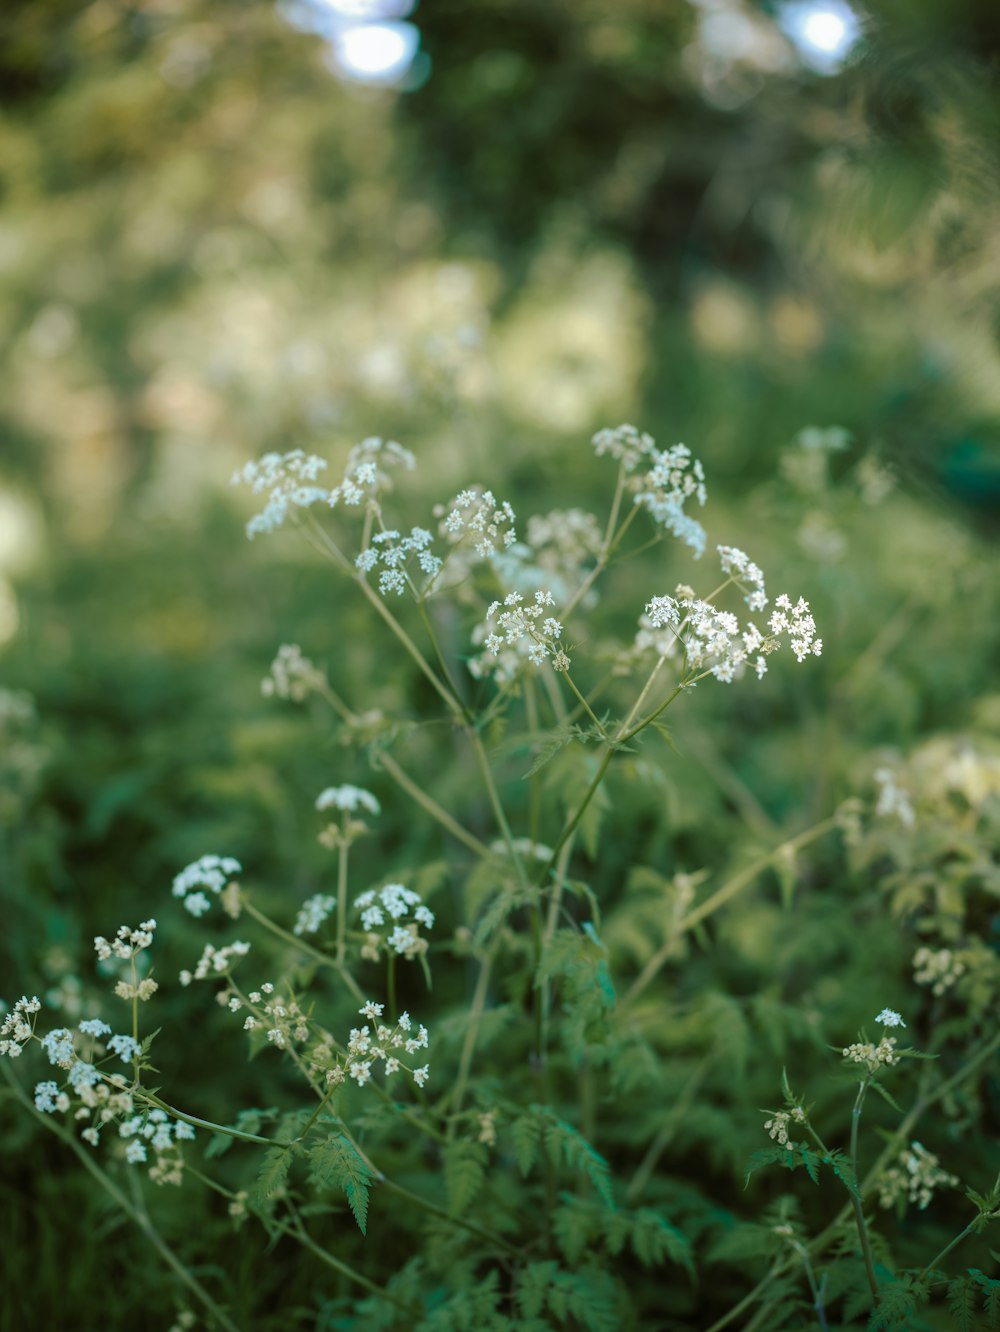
<point>336,1163</point>
<point>464,1168</point>
<point>897,1303</point>
<point>962,1304</point>
<point>563,1141</point>
<point>533,1284</point>
<point>271,1176</point>
<point>526,1132</point>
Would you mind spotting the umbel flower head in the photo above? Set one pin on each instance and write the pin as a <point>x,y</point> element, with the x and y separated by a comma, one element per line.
<point>212,872</point>
<point>713,641</point>
<point>288,479</point>
<point>386,920</point>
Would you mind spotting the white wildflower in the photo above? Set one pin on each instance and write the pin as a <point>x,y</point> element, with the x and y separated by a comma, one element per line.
<point>288,479</point>
<point>211,872</point>
<point>292,675</point>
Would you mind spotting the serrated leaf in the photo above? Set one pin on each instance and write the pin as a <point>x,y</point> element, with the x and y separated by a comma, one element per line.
<point>876,1086</point>
<point>563,1141</point>
<point>533,1284</point>
<point>743,1242</point>
<point>962,1304</point>
<point>148,1041</point>
<point>588,1297</point>
<point>336,1163</point>
<point>526,1132</point>
<point>653,1238</point>
<point>844,1171</point>
<point>497,912</point>
<point>271,1175</point>
<point>464,1170</point>
<point>896,1304</point>
<point>811,1163</point>
<point>766,1156</point>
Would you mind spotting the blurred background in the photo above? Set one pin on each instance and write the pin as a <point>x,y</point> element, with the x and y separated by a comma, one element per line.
<point>485,229</point>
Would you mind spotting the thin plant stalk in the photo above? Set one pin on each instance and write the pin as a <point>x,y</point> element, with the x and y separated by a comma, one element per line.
<point>139,1217</point>
<point>343,849</point>
<point>856,1202</point>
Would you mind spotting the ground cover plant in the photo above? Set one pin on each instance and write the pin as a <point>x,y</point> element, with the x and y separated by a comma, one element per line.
<point>477,1073</point>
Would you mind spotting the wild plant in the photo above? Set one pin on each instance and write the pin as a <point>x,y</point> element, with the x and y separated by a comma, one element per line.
<point>451,1041</point>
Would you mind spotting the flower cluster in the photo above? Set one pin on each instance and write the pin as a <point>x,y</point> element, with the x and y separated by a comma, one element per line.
<point>874,1057</point>
<point>675,477</point>
<point>747,575</point>
<point>393,552</point>
<point>215,961</point>
<point>283,1019</point>
<point>313,912</point>
<point>17,1029</point>
<point>798,624</point>
<point>126,943</point>
<point>671,478</point>
<point>107,1100</point>
<point>394,902</point>
<point>777,1125</point>
<point>713,640</point>
<point>211,872</point>
<point>558,556</point>
<point>892,799</point>
<point>914,1178</point>
<point>939,968</point>
<point>289,481</point>
<point>520,630</point>
<point>292,675</point>
<point>367,1045</point>
<point>478,514</point>
<point>347,798</point>
<point>626,444</point>
<point>366,475</point>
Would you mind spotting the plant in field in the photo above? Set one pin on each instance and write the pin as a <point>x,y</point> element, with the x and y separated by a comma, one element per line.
<point>484,1144</point>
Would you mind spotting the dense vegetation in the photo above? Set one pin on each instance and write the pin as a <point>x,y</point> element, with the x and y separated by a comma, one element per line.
<point>658,921</point>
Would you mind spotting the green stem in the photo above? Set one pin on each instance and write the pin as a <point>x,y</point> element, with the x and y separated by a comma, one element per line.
<point>730,889</point>
<point>343,850</point>
<point>472,1031</point>
<point>493,795</point>
<point>299,1232</point>
<point>817,1294</point>
<point>856,1203</point>
<point>586,707</point>
<point>439,656</point>
<point>751,1297</point>
<point>207,1124</point>
<point>140,1217</point>
<point>390,981</point>
<point>430,805</point>
<point>450,701</point>
<point>970,1229</point>
<point>572,822</point>
<point>324,959</point>
<point>902,1134</point>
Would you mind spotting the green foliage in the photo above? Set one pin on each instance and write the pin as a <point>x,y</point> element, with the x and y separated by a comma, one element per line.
<point>335,1163</point>
<point>271,1176</point>
<point>464,1170</point>
<point>898,1302</point>
<point>481,264</point>
<point>566,1144</point>
<point>962,1303</point>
